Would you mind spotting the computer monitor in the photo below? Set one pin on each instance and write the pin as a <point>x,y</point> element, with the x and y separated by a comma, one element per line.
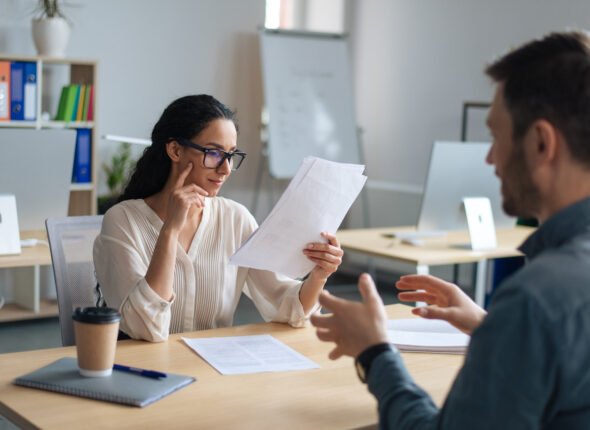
<point>37,168</point>
<point>458,170</point>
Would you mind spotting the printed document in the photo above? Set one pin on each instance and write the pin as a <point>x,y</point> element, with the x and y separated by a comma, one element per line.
<point>316,200</point>
<point>422,335</point>
<point>236,355</point>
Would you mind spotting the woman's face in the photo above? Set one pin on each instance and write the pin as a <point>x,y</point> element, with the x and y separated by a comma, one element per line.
<point>219,134</point>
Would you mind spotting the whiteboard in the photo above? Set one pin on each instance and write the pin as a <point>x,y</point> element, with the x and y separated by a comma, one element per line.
<point>309,98</point>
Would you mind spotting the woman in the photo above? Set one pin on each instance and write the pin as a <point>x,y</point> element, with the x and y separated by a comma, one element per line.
<point>162,257</point>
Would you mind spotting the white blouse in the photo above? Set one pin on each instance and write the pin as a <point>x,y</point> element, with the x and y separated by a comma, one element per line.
<point>206,286</point>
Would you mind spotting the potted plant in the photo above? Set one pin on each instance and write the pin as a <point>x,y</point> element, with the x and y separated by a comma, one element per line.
<point>51,29</point>
<point>117,173</point>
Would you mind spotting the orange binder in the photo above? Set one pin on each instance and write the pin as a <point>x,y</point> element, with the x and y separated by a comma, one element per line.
<point>4,90</point>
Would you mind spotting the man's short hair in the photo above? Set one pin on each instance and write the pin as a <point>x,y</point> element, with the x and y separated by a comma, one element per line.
<point>549,79</point>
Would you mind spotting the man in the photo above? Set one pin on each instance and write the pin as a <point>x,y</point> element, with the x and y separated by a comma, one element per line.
<point>528,362</point>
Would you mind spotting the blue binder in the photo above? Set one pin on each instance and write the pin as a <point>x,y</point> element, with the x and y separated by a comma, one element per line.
<point>17,91</point>
<point>30,91</point>
<point>81,173</point>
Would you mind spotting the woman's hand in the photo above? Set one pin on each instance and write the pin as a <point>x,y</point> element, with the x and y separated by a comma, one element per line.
<point>181,200</point>
<point>326,256</point>
<point>446,301</point>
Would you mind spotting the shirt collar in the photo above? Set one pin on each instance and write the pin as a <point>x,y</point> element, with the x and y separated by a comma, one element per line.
<point>561,227</point>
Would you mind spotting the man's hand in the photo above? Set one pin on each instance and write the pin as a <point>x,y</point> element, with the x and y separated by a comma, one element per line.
<point>447,301</point>
<point>352,326</point>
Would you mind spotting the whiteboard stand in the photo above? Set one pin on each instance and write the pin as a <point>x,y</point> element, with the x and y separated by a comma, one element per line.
<point>263,170</point>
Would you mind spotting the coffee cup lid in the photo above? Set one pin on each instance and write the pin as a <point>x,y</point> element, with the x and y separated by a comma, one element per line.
<point>96,315</point>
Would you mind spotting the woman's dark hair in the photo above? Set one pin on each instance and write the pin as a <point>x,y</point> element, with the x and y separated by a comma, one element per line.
<point>185,117</point>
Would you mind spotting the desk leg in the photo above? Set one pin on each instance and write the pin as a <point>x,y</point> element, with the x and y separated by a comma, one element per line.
<point>422,269</point>
<point>27,292</point>
<point>480,282</point>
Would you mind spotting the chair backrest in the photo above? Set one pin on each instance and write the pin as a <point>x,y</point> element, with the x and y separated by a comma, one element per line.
<point>71,240</point>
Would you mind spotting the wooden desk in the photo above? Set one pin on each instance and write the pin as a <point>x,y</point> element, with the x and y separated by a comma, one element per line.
<point>327,398</point>
<point>27,298</point>
<point>435,251</point>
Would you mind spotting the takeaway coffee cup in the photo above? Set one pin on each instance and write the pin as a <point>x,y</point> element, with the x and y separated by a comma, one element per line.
<point>96,331</point>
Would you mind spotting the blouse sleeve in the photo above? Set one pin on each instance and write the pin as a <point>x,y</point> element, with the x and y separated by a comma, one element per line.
<point>275,296</point>
<point>121,262</point>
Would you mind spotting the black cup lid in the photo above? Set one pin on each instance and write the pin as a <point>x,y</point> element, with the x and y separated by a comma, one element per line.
<point>96,315</point>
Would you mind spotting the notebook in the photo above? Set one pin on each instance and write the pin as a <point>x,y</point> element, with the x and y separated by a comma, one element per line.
<point>422,335</point>
<point>130,389</point>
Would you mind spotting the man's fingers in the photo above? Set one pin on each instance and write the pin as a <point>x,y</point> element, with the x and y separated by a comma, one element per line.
<point>435,313</point>
<point>325,335</point>
<point>368,290</point>
<point>417,296</point>
<point>329,301</point>
<point>335,354</point>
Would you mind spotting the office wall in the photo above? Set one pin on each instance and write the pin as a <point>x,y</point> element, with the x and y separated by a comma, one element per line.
<point>415,62</point>
<point>152,51</point>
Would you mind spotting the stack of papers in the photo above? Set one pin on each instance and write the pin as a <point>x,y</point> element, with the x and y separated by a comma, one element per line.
<point>422,335</point>
<point>236,355</point>
<point>316,200</point>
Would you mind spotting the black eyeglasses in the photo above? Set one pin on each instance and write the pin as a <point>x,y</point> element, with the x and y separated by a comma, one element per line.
<point>214,158</point>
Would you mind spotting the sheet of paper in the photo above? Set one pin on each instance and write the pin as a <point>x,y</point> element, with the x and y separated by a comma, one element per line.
<point>316,200</point>
<point>422,335</point>
<point>249,354</point>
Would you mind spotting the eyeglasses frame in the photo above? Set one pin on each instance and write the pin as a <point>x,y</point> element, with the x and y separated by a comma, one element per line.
<point>226,155</point>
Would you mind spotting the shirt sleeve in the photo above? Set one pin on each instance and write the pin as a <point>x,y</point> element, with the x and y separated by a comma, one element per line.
<point>120,270</point>
<point>505,381</point>
<point>275,296</point>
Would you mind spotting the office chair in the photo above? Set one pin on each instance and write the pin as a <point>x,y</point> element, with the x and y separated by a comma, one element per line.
<point>70,241</point>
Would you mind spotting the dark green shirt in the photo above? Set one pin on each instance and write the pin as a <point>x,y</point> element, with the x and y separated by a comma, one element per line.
<point>528,364</point>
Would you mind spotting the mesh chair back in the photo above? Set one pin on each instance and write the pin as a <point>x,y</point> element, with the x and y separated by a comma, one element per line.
<point>71,240</point>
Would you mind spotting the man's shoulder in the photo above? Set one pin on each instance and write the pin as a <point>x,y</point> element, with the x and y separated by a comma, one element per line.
<point>556,281</point>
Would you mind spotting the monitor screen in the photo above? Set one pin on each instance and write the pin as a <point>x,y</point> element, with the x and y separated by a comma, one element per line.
<point>37,168</point>
<point>458,170</point>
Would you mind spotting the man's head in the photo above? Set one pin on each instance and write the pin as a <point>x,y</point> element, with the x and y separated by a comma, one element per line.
<point>543,97</point>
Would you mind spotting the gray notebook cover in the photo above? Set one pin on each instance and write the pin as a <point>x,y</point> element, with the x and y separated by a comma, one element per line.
<point>63,376</point>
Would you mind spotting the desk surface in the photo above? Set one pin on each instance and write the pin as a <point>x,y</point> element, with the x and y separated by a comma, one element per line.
<point>329,397</point>
<point>434,251</point>
<point>29,256</point>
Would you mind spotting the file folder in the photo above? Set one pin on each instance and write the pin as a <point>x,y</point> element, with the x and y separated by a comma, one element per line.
<point>30,91</point>
<point>4,90</point>
<point>17,91</point>
<point>81,172</point>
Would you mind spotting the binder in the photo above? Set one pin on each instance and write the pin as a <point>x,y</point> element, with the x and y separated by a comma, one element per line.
<point>86,103</point>
<point>72,117</point>
<point>62,376</point>
<point>30,96</point>
<point>17,91</point>
<point>90,115</point>
<point>59,116</point>
<point>70,101</point>
<point>81,101</point>
<point>81,171</point>
<point>4,90</point>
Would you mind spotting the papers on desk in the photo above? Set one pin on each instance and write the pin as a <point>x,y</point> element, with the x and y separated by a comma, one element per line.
<point>422,335</point>
<point>248,354</point>
<point>316,200</point>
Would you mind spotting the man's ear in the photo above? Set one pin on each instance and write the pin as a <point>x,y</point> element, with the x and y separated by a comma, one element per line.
<point>173,149</point>
<point>545,141</point>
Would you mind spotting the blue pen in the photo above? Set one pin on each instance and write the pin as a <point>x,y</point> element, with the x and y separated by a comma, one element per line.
<point>141,372</point>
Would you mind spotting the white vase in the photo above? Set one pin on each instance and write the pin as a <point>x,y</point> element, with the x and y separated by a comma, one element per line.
<point>51,36</point>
